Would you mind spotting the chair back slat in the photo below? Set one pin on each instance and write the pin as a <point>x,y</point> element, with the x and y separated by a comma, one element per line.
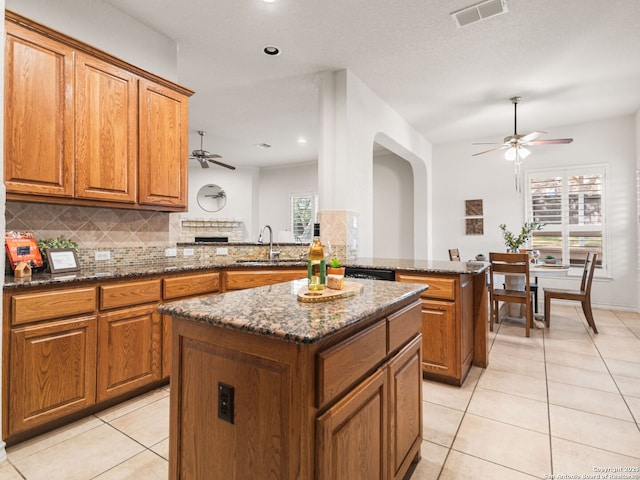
<point>517,263</point>
<point>587,273</point>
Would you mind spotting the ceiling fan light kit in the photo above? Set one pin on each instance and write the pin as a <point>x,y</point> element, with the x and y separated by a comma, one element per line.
<point>515,144</point>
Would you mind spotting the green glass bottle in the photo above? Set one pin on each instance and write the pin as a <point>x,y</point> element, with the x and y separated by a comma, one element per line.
<point>316,268</point>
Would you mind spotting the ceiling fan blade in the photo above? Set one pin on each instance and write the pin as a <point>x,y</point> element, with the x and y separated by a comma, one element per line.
<point>551,141</point>
<point>221,164</point>
<point>212,155</point>
<point>501,147</point>
<point>203,163</point>
<point>531,136</point>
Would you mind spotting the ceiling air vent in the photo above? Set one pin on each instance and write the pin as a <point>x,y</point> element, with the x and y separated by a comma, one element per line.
<point>479,11</point>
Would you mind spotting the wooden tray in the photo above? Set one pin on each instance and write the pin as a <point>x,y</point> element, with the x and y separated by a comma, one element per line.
<point>310,296</point>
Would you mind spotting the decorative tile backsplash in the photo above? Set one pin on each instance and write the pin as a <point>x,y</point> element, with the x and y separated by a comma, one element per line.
<point>339,231</point>
<point>94,227</point>
<point>135,237</point>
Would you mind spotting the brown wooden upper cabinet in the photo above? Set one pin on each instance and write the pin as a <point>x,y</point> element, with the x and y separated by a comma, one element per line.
<point>163,151</point>
<point>106,131</point>
<point>38,114</point>
<point>83,127</point>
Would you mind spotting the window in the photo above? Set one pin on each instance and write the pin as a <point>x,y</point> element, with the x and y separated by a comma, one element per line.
<point>570,202</point>
<point>303,213</point>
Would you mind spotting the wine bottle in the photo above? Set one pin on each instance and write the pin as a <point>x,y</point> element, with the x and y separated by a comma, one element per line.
<point>316,268</point>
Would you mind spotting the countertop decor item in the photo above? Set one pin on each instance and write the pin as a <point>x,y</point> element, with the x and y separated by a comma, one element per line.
<point>334,267</point>
<point>514,243</point>
<point>57,244</point>
<point>311,296</point>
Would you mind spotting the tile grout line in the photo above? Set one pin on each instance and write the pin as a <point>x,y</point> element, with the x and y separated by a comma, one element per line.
<point>546,383</point>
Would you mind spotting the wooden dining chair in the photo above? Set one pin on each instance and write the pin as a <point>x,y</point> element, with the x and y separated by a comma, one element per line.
<point>454,255</point>
<point>583,295</point>
<point>510,264</point>
<point>534,284</point>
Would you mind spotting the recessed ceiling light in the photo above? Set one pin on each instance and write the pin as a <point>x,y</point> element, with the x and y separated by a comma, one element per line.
<point>302,140</point>
<point>269,1</point>
<point>263,145</point>
<point>271,50</point>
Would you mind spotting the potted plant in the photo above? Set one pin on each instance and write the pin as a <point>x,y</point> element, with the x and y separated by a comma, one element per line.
<point>334,267</point>
<point>514,243</point>
<point>549,259</point>
<point>481,257</point>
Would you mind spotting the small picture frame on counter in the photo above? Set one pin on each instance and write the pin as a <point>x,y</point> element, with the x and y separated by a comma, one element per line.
<point>62,260</point>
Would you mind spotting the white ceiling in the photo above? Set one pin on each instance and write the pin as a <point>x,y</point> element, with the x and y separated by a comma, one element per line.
<point>572,61</point>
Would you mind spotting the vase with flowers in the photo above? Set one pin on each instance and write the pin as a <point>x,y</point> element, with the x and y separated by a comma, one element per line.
<point>513,242</point>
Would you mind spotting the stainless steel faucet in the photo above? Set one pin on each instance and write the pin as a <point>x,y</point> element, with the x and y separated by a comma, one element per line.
<point>272,253</point>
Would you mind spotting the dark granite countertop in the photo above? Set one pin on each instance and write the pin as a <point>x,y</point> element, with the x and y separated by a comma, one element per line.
<point>39,279</point>
<point>174,265</point>
<point>275,311</point>
<point>421,266</point>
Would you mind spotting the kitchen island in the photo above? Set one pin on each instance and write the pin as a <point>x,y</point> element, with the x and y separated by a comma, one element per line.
<point>266,386</point>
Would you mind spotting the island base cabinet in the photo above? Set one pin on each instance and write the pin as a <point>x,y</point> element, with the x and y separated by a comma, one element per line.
<point>405,409</point>
<point>375,432</point>
<point>52,371</point>
<point>259,433</point>
<point>283,421</point>
<point>352,435</point>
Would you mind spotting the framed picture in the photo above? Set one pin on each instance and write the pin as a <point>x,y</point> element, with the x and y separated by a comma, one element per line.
<point>62,260</point>
<point>473,208</point>
<point>475,226</point>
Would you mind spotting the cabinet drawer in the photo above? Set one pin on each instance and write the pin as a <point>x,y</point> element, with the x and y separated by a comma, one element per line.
<point>439,287</point>
<point>237,279</point>
<point>131,293</point>
<point>186,285</point>
<point>342,365</point>
<point>32,307</point>
<point>404,325</point>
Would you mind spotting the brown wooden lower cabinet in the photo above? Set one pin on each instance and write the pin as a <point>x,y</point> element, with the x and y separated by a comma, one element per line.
<point>52,372</point>
<point>294,414</point>
<point>128,350</point>
<point>383,412</point>
<point>448,318</point>
<point>357,420</point>
<point>259,277</point>
<point>69,348</point>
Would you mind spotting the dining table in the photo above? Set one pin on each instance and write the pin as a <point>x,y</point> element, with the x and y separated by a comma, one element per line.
<point>516,282</point>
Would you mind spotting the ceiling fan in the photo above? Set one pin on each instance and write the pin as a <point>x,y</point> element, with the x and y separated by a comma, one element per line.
<point>203,156</point>
<point>515,144</point>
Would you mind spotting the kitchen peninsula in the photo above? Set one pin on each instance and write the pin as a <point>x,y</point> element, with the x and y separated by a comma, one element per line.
<point>76,343</point>
<point>266,386</point>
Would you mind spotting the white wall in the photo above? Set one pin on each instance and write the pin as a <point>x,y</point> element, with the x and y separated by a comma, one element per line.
<point>637,136</point>
<point>353,117</point>
<point>240,185</point>
<point>392,206</point>
<point>102,26</point>
<point>489,177</point>
<point>276,186</point>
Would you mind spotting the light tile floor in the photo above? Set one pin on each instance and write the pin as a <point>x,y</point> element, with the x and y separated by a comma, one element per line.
<point>562,402</point>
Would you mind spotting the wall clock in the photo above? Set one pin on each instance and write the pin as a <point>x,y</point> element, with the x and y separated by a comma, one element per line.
<point>211,197</point>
